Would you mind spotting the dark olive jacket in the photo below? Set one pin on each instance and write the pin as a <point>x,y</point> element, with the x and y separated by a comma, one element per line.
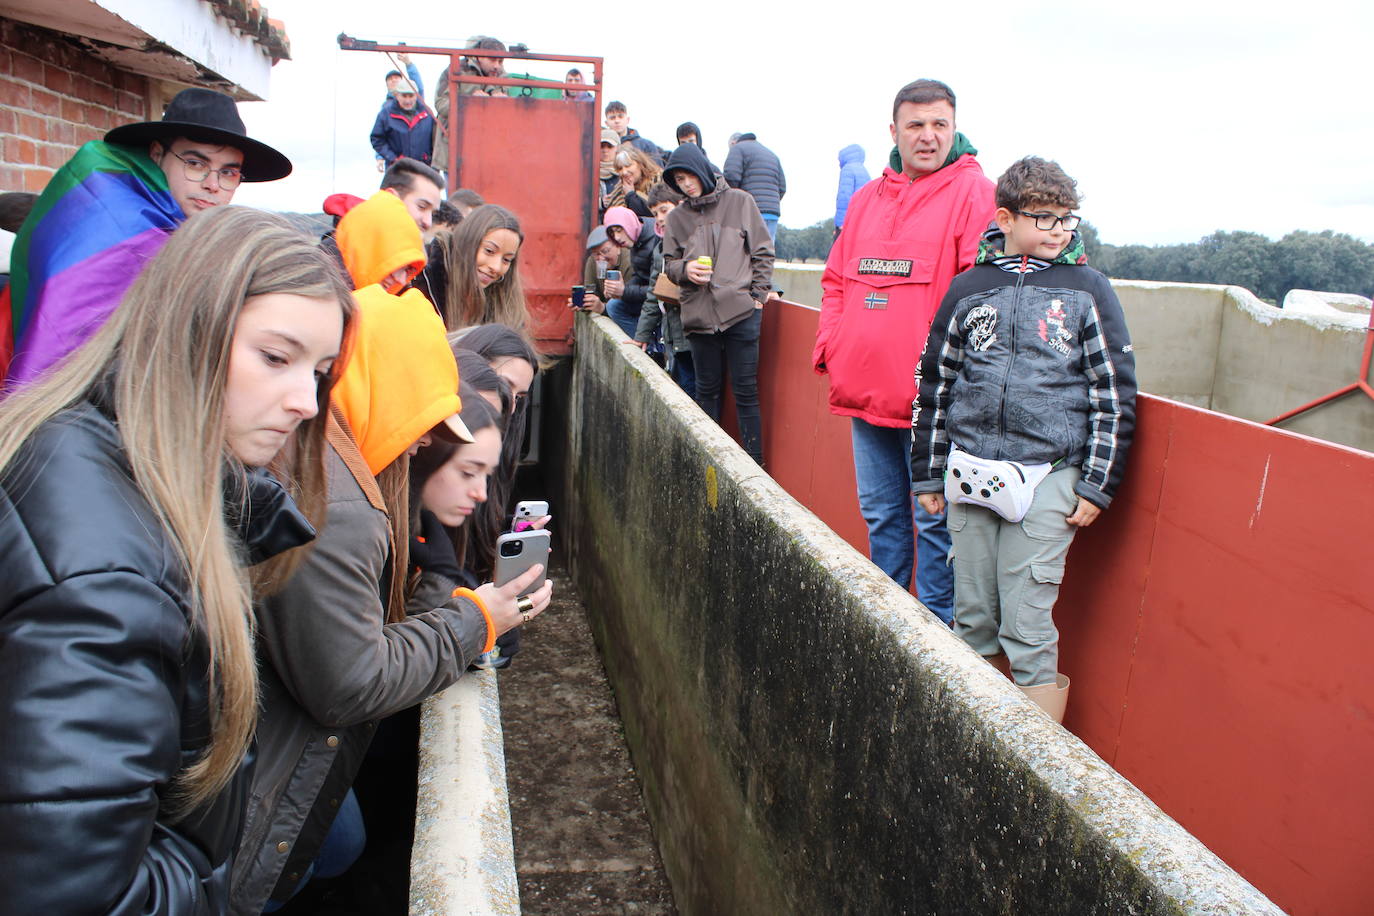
<point>332,667</point>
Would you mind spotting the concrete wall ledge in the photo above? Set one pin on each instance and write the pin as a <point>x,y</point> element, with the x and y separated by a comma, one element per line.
<point>811,739</point>
<point>463,859</point>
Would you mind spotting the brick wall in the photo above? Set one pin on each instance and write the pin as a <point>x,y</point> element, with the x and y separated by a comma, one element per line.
<point>54,96</point>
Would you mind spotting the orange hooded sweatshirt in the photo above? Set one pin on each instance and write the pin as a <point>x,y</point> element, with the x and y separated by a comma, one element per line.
<point>378,237</point>
<point>401,379</point>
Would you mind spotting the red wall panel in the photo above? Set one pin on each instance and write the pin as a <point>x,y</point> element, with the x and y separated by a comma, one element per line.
<point>546,181</point>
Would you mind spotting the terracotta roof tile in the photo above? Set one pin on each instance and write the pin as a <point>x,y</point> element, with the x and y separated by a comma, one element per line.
<point>251,17</point>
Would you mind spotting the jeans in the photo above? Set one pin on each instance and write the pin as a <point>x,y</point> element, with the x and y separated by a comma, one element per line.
<point>624,316</point>
<point>684,372</point>
<point>882,469</point>
<point>771,221</point>
<point>735,349</point>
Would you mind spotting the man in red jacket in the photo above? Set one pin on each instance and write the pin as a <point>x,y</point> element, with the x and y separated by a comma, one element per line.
<point>906,235</point>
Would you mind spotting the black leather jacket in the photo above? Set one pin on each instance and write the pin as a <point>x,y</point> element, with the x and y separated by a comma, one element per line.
<point>103,692</point>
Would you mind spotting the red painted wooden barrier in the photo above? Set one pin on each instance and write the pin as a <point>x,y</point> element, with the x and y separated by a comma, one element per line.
<point>545,181</point>
<point>1215,622</point>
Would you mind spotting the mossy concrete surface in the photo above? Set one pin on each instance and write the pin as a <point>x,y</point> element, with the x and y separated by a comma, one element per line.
<point>810,739</point>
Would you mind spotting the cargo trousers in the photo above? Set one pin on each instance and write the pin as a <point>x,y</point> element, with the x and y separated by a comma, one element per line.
<point>1007,577</point>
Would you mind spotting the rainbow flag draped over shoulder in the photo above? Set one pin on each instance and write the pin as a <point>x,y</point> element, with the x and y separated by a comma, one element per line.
<point>101,218</point>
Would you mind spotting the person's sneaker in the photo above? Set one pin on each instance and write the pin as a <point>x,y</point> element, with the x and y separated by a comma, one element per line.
<point>491,661</point>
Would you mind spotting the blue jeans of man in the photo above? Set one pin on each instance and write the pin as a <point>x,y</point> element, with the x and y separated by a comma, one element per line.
<point>684,372</point>
<point>882,469</point>
<point>771,221</point>
<point>624,316</point>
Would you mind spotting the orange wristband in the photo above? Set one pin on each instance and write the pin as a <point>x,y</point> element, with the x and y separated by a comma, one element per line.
<point>486,615</point>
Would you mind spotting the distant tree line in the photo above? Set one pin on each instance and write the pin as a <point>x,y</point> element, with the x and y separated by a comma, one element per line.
<point>809,244</point>
<point>1329,261</point>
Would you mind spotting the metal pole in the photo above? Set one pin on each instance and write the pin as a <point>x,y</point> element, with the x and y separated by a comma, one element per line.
<point>1361,382</point>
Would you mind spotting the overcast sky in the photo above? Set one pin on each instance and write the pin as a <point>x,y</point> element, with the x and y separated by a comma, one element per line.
<point>1177,118</point>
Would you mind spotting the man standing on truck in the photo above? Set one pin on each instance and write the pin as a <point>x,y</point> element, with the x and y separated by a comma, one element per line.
<point>906,235</point>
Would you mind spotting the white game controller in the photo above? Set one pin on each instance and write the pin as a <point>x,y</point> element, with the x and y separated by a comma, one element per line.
<point>1005,487</point>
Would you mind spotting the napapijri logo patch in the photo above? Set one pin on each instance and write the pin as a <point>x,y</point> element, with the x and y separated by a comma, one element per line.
<point>875,301</point>
<point>886,267</point>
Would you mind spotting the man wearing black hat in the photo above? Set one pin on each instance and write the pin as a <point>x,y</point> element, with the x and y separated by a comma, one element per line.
<point>202,147</point>
<point>110,208</point>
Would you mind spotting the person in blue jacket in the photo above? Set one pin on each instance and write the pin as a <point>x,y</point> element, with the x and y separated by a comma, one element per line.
<point>395,79</point>
<point>853,176</point>
<point>404,127</point>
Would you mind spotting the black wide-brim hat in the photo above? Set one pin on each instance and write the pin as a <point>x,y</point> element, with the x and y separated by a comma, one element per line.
<point>207,116</point>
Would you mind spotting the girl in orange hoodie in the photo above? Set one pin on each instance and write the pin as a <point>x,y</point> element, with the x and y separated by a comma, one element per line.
<point>344,643</point>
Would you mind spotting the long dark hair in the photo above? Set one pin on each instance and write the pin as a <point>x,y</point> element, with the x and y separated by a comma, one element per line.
<point>465,303</point>
<point>493,342</point>
<point>477,415</point>
<point>476,372</point>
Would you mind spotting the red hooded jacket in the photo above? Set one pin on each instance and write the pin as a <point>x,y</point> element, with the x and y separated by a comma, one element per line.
<point>902,244</point>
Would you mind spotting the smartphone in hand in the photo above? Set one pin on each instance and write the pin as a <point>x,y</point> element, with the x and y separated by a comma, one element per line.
<point>517,552</point>
<point>527,512</point>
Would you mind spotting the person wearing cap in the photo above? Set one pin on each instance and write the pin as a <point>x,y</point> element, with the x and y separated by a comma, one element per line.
<point>203,149</point>
<point>602,255</point>
<point>610,178</point>
<point>404,127</point>
<point>344,642</point>
<point>395,80</point>
<point>109,209</point>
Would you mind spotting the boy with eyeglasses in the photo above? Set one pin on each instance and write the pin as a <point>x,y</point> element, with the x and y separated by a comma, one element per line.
<point>1028,361</point>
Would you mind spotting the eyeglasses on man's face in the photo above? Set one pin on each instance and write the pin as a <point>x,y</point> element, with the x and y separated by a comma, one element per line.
<point>197,169</point>
<point>1047,221</point>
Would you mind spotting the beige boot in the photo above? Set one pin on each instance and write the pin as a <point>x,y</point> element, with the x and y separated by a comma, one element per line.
<point>1000,662</point>
<point>1052,698</point>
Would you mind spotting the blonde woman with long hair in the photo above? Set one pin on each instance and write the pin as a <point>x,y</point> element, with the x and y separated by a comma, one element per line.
<point>482,259</point>
<point>131,499</point>
<point>638,174</point>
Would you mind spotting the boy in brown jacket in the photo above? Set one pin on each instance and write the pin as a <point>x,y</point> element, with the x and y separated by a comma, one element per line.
<point>723,298</point>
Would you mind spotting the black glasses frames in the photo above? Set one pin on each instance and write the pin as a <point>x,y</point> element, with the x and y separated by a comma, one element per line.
<point>1045,222</point>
